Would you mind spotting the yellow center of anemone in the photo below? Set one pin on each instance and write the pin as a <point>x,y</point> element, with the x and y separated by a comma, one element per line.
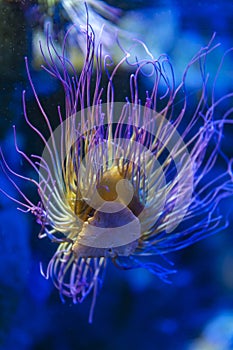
<point>114,186</point>
<point>107,188</point>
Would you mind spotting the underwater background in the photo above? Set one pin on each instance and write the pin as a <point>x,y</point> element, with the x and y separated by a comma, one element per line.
<point>135,309</point>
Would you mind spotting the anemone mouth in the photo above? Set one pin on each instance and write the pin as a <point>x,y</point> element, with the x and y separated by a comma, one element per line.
<point>115,186</point>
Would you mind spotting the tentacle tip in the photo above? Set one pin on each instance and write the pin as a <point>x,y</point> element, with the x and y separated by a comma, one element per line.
<point>42,271</point>
<point>62,298</point>
<point>74,300</point>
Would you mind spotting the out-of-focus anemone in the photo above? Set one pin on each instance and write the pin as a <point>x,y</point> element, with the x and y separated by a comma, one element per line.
<point>125,181</point>
<point>62,14</point>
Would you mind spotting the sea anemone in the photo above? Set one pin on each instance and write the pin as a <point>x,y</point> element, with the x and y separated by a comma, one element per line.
<point>124,182</point>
